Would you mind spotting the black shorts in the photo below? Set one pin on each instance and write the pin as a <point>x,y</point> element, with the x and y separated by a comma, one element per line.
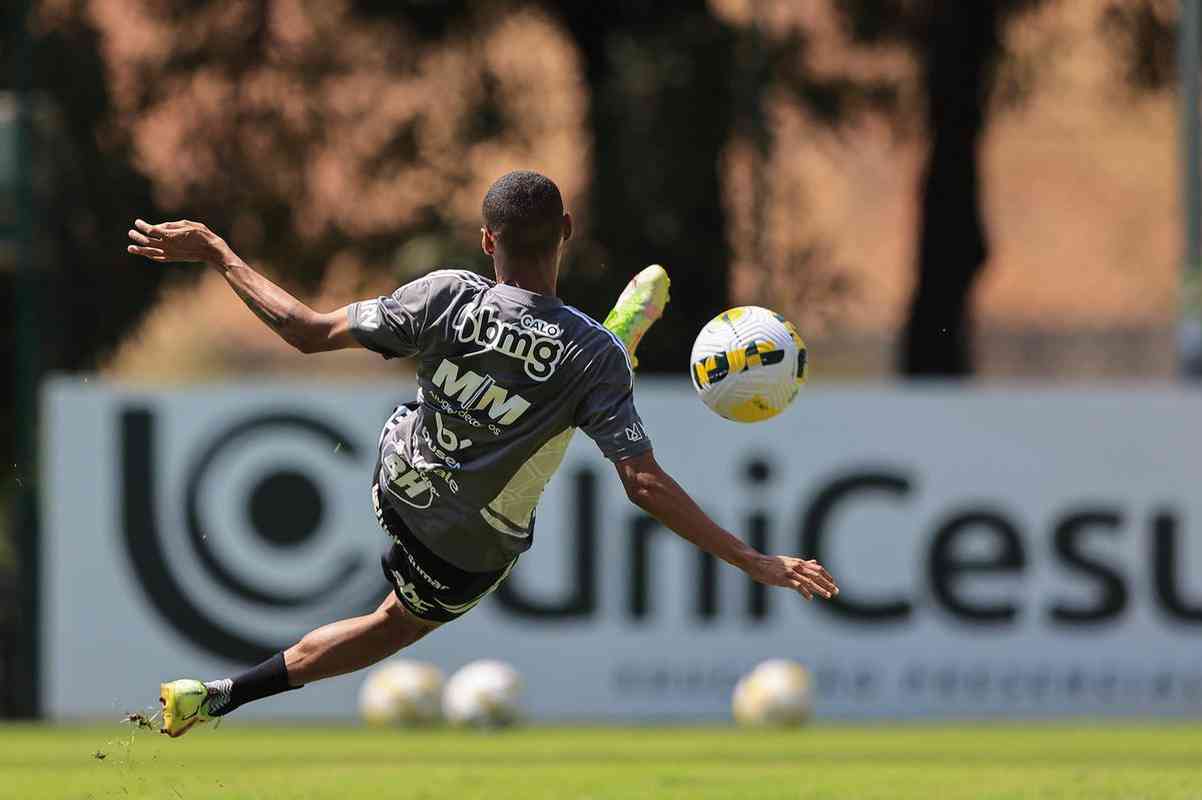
<point>429,587</point>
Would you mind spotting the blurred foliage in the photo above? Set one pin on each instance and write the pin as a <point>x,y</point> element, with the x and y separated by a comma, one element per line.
<point>362,133</point>
<point>960,47</point>
<point>319,133</point>
<point>1145,34</point>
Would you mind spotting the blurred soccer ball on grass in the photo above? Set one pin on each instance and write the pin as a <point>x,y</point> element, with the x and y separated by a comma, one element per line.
<point>483,694</point>
<point>775,693</point>
<point>402,692</point>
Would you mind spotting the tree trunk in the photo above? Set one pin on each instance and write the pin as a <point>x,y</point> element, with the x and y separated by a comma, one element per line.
<point>959,62</point>
<point>661,112</point>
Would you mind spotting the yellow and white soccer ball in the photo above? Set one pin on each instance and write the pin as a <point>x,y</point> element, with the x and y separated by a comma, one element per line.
<point>777,692</point>
<point>402,692</point>
<point>484,694</point>
<point>748,364</point>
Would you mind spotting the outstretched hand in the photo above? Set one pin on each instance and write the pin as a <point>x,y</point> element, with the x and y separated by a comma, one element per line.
<point>175,241</point>
<point>807,577</point>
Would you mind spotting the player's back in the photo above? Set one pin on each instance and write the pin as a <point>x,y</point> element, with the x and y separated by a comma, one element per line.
<point>505,375</point>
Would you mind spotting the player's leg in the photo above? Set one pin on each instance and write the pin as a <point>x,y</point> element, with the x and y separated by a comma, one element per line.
<point>335,649</point>
<point>427,592</point>
<point>353,644</point>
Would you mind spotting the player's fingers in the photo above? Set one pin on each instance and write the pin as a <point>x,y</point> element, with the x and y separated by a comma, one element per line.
<point>148,252</point>
<point>815,572</point>
<point>818,568</point>
<point>814,582</point>
<point>828,586</point>
<point>138,238</point>
<point>819,590</point>
<point>151,231</point>
<point>803,589</point>
<point>806,569</point>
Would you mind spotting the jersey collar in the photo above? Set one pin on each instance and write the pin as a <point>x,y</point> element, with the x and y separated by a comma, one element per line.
<point>532,299</point>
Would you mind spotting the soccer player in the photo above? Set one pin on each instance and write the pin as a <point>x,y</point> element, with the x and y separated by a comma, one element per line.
<point>506,372</point>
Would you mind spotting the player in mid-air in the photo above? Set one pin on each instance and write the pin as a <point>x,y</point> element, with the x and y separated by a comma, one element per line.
<point>506,372</point>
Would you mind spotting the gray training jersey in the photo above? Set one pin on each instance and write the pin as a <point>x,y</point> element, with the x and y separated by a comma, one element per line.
<point>504,377</point>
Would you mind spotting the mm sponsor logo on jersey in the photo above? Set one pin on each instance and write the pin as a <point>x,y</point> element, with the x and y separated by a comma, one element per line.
<point>532,341</point>
<point>477,392</point>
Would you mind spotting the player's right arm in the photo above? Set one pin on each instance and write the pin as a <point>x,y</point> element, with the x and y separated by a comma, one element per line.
<point>305,329</point>
<point>654,491</point>
<point>607,414</point>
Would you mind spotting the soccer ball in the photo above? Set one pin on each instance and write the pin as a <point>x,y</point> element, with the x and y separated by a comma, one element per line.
<point>401,692</point>
<point>777,692</point>
<point>483,694</point>
<point>748,364</point>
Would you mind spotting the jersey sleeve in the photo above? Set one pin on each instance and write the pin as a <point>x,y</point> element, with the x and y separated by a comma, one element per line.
<point>393,325</point>
<point>607,413</point>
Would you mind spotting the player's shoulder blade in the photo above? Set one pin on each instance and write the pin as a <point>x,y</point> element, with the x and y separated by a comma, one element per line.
<point>448,289</point>
<point>455,279</point>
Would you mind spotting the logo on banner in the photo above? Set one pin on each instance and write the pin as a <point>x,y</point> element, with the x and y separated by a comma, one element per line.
<point>283,505</point>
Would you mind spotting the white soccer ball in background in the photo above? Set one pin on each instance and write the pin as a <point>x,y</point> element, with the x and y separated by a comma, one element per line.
<point>748,364</point>
<point>401,692</point>
<point>484,694</point>
<point>777,692</point>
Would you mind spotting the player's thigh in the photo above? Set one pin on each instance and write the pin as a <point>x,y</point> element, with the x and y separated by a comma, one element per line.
<point>430,588</point>
<point>402,622</point>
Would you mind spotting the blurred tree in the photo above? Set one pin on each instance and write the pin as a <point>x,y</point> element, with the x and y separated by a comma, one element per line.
<point>669,83</point>
<point>661,108</point>
<point>65,301</point>
<point>960,47</point>
<point>1145,35</point>
<point>355,127</point>
<point>315,134</point>
<point>86,189</point>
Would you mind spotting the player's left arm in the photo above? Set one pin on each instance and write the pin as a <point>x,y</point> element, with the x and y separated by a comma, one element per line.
<point>654,491</point>
<point>305,329</point>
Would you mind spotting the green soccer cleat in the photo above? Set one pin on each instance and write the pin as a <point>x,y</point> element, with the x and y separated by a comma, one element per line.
<point>641,303</point>
<point>185,703</point>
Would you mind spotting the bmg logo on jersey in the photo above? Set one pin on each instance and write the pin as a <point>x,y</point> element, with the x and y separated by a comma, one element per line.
<point>532,341</point>
<point>541,326</point>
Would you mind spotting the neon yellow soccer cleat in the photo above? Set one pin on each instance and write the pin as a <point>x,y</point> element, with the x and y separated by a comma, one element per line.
<point>185,703</point>
<point>641,303</point>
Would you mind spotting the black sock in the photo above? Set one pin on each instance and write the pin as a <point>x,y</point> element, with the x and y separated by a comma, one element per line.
<point>264,680</point>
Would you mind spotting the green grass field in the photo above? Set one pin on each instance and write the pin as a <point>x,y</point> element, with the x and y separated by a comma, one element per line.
<point>1117,760</point>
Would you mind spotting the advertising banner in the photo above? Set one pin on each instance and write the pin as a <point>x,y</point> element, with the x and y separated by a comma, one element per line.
<point>1002,552</point>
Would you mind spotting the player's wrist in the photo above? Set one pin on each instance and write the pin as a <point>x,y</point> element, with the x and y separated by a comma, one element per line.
<point>751,561</point>
<point>221,256</point>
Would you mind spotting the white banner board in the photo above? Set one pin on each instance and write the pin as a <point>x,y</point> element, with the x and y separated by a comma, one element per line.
<point>1002,552</point>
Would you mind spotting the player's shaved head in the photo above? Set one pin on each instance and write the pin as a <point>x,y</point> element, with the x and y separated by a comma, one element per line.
<point>524,211</point>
